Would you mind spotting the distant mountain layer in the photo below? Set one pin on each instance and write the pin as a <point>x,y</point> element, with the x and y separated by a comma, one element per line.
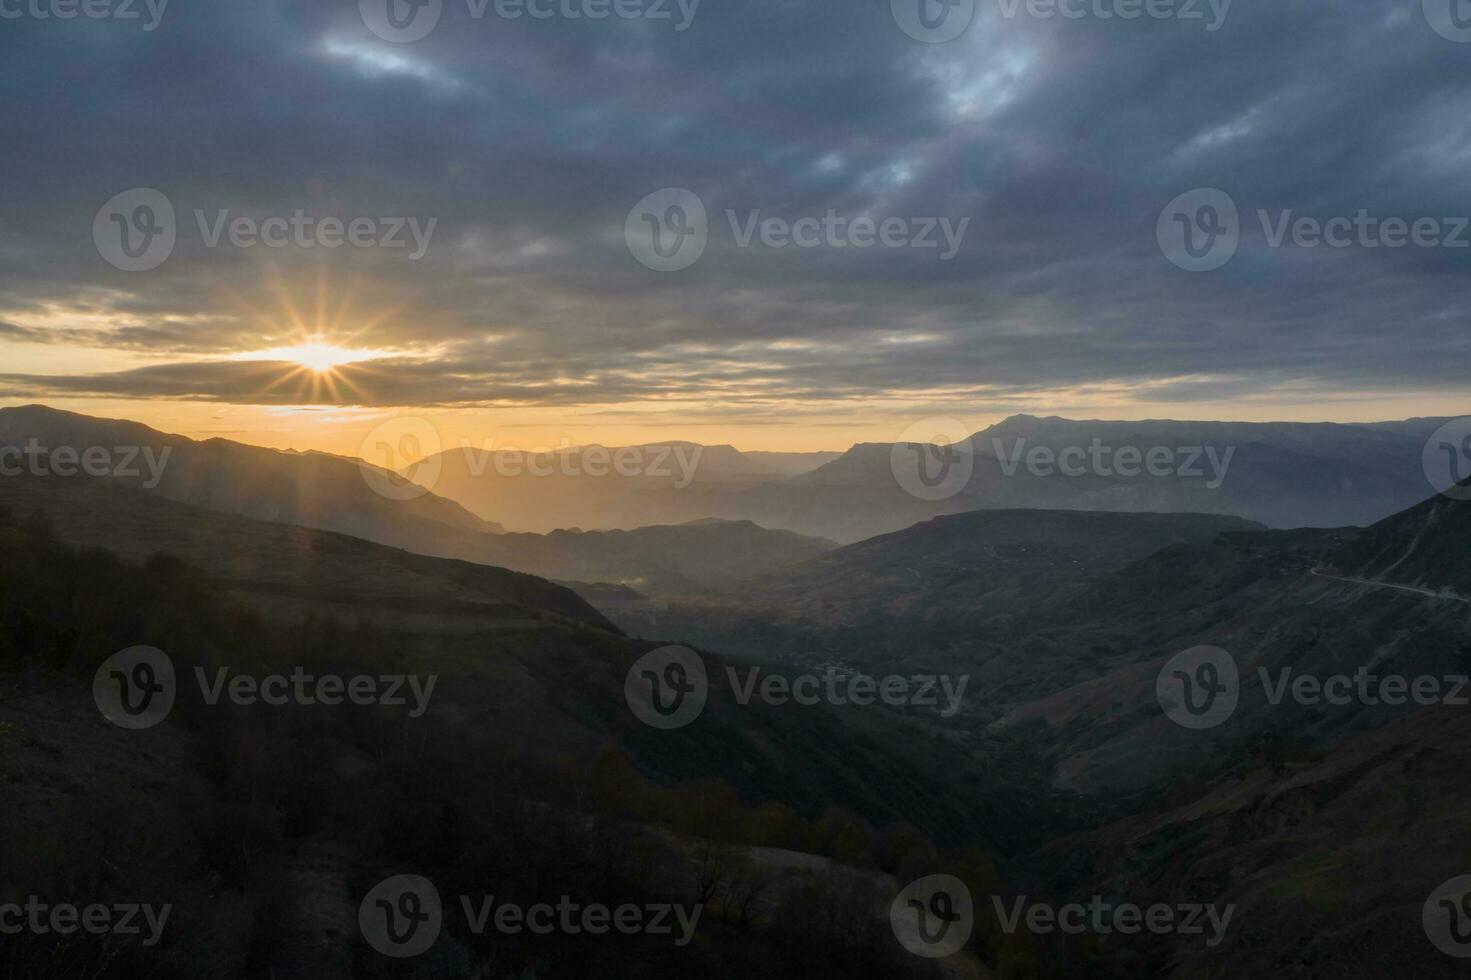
<point>1284,474</point>
<point>318,490</point>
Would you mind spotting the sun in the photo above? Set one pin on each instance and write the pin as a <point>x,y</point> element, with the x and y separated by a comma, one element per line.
<point>321,357</point>
<point>314,355</point>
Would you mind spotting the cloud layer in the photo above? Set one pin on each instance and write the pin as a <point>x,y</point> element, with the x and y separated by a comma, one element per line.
<point>1060,139</point>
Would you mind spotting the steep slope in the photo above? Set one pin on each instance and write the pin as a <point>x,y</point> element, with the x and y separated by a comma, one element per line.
<point>282,565</point>
<point>309,489</point>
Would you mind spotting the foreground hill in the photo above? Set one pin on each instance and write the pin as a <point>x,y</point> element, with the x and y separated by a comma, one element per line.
<point>957,566</point>
<point>276,564</point>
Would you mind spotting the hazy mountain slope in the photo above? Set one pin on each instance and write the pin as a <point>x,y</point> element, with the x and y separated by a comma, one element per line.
<point>597,487</point>
<point>1285,474</point>
<point>688,559</point>
<point>276,563</point>
<point>1280,474</point>
<point>330,492</point>
<point>310,489</point>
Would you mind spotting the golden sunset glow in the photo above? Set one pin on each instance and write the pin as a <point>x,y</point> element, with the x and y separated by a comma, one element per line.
<point>317,356</point>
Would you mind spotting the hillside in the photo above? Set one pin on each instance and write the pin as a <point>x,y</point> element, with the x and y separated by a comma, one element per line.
<point>959,565</point>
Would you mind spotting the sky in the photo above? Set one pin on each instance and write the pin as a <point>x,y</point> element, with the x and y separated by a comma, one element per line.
<point>780,225</point>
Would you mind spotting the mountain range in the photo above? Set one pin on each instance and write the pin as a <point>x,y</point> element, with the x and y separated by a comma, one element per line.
<point>1279,474</point>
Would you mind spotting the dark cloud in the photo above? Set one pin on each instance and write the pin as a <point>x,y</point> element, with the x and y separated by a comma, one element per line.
<point>529,141</point>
